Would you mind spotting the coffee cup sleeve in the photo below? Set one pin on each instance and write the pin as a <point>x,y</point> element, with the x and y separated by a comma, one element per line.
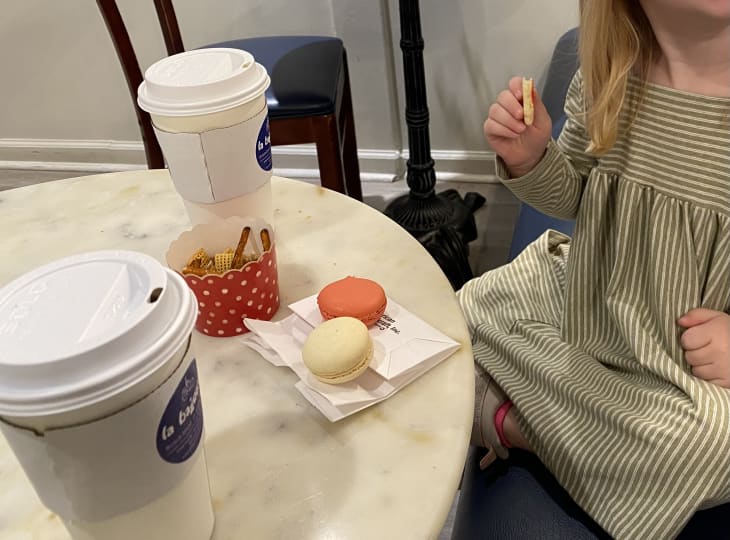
<point>219,164</point>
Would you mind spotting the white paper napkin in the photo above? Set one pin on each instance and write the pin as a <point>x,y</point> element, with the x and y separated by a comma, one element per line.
<point>404,348</point>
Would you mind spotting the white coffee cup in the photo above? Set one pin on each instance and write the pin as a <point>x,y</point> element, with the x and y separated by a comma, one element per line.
<point>99,396</point>
<point>209,112</point>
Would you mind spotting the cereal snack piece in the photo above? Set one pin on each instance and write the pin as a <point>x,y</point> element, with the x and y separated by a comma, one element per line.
<point>194,270</point>
<point>199,259</point>
<point>223,261</point>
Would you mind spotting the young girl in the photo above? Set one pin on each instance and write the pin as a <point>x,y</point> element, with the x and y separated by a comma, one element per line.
<point>608,355</point>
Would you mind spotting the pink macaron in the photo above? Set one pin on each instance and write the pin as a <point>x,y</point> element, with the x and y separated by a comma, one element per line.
<point>355,297</point>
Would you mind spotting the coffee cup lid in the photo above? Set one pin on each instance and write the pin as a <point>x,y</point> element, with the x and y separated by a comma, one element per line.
<point>202,81</point>
<point>86,327</point>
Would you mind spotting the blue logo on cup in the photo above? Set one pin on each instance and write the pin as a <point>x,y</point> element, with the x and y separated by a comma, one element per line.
<point>263,147</point>
<point>181,426</point>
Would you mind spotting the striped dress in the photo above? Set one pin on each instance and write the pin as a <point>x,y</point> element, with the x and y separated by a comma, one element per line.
<point>582,335</point>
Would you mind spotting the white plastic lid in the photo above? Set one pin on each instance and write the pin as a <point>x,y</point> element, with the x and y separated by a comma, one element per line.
<point>202,81</point>
<point>86,327</point>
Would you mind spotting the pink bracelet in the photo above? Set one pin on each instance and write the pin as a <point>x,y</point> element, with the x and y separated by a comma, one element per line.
<point>499,417</point>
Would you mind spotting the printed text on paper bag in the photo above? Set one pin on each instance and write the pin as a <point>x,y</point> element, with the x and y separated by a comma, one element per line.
<point>386,323</point>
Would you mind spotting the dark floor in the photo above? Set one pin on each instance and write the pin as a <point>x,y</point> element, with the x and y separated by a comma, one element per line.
<point>495,220</point>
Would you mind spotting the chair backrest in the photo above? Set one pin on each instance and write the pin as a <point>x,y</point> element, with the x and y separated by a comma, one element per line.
<point>563,65</point>
<point>130,65</point>
<point>169,26</point>
<point>133,76</point>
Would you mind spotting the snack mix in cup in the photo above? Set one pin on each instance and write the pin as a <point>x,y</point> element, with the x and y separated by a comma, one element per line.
<point>230,265</point>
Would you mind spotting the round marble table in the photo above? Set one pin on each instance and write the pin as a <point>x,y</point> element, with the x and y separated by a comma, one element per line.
<point>278,468</point>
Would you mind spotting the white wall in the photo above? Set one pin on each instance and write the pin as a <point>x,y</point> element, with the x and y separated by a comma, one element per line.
<point>62,80</point>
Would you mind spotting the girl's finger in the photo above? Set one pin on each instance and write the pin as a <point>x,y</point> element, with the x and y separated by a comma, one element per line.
<point>510,104</point>
<point>495,129</point>
<point>502,116</point>
<point>515,87</point>
<point>706,372</point>
<point>694,339</point>
<point>697,357</point>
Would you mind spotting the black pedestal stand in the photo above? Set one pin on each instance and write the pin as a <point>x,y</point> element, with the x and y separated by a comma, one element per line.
<point>444,222</point>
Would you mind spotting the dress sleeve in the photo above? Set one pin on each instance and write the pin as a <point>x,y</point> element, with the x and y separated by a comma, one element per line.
<point>555,185</point>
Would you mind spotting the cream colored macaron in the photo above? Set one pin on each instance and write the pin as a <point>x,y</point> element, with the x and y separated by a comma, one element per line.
<point>338,350</point>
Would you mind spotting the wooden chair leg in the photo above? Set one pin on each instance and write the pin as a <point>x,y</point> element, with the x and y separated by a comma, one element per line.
<point>349,147</point>
<point>329,155</point>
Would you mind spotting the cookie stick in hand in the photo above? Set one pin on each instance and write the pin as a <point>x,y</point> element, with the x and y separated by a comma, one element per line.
<point>528,103</point>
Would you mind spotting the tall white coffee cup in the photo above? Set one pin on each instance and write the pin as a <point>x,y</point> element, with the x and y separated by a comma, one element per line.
<point>99,396</point>
<point>209,113</point>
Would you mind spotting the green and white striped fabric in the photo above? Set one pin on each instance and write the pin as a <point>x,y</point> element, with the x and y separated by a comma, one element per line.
<point>582,335</point>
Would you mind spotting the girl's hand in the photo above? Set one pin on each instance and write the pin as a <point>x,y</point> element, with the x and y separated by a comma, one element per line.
<point>706,344</point>
<point>521,147</point>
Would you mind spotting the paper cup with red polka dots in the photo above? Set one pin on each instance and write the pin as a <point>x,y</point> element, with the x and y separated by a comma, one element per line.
<point>224,300</point>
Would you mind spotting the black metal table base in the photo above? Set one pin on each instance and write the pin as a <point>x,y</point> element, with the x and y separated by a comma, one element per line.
<point>444,222</point>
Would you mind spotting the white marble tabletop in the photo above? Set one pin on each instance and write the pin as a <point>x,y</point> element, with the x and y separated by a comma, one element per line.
<point>278,468</point>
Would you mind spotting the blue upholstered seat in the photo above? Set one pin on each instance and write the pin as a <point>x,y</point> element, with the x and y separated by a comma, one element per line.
<point>531,223</point>
<point>305,72</point>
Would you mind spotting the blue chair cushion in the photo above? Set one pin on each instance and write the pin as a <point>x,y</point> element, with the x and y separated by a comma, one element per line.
<point>563,65</point>
<point>531,223</point>
<point>304,70</point>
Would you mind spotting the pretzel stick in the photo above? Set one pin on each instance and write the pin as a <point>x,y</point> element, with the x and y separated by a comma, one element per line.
<point>265,239</point>
<point>238,259</point>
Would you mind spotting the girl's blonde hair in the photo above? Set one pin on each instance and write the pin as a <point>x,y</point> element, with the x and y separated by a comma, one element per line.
<point>615,41</point>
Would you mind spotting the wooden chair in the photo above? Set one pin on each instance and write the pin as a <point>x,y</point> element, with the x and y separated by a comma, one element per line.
<point>309,98</point>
